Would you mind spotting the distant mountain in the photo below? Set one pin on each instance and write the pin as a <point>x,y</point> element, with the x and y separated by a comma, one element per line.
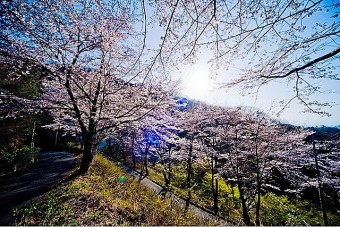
<point>324,132</point>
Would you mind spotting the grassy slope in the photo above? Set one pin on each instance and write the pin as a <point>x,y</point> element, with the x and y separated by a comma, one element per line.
<point>275,209</point>
<point>97,198</point>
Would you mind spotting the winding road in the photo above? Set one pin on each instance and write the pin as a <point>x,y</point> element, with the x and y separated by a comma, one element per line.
<point>199,211</point>
<point>51,168</point>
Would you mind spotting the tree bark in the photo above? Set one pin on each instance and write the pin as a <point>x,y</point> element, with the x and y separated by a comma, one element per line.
<point>146,159</point>
<point>214,185</point>
<point>134,160</point>
<point>188,180</point>
<point>56,137</point>
<point>258,179</point>
<point>87,155</point>
<point>169,166</point>
<point>133,150</point>
<point>124,152</point>
<point>258,204</point>
<point>33,133</point>
<point>245,212</point>
<point>166,179</point>
<point>216,197</point>
<point>320,189</point>
<point>215,190</point>
<point>164,171</point>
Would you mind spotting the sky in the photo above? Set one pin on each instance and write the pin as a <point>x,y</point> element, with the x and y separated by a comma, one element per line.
<point>198,82</point>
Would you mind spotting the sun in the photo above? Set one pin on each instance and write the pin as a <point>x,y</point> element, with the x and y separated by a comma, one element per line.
<point>197,84</point>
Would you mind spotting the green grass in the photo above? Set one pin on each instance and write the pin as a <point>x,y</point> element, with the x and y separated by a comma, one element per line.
<point>18,159</point>
<point>201,191</point>
<point>98,198</point>
<point>282,210</point>
<point>275,209</point>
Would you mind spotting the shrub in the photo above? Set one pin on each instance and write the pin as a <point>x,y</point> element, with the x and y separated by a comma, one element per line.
<point>283,210</point>
<point>17,159</point>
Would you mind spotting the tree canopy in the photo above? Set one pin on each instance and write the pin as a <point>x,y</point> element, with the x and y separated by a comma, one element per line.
<point>107,63</point>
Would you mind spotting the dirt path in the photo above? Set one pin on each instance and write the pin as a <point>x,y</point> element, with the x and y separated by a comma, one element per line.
<point>51,168</point>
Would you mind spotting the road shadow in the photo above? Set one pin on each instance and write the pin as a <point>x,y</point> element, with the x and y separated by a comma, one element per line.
<point>52,168</point>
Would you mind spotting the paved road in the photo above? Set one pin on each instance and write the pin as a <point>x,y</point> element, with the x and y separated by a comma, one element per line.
<point>51,168</point>
<point>159,189</point>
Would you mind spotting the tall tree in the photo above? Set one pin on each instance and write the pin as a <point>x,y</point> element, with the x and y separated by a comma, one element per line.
<point>87,48</point>
<point>253,144</point>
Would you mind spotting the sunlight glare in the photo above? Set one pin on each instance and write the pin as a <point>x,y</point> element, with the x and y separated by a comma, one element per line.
<point>197,84</point>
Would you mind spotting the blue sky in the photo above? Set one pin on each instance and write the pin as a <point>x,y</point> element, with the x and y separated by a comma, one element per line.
<point>267,98</point>
<point>199,82</point>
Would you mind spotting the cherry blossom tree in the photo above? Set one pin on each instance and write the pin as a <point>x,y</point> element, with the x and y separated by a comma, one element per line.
<point>166,128</point>
<point>192,119</point>
<point>89,51</point>
<point>237,157</point>
<point>152,134</point>
<point>253,144</point>
<point>212,145</point>
<point>267,138</point>
<point>115,106</point>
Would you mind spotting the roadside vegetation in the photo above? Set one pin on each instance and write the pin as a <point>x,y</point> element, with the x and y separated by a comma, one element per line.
<point>276,209</point>
<point>91,200</point>
<point>17,125</point>
<point>15,150</point>
<point>18,159</point>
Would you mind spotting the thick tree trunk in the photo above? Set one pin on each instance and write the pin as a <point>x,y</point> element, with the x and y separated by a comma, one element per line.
<point>88,152</point>
<point>87,156</point>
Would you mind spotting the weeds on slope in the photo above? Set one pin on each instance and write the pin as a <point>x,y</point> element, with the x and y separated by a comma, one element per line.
<point>101,198</point>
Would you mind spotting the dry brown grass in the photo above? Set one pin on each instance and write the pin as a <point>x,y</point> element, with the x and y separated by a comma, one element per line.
<point>98,198</point>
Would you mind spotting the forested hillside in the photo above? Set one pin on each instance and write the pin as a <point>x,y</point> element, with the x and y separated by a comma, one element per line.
<point>101,85</point>
<point>236,162</point>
